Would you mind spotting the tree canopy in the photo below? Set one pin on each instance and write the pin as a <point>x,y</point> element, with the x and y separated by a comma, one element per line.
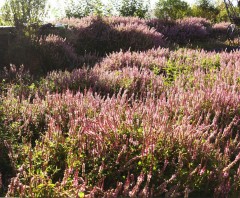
<point>206,9</point>
<point>82,8</point>
<point>173,9</point>
<point>133,8</point>
<point>19,12</point>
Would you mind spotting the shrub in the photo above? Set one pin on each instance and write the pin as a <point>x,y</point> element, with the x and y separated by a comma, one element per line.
<point>161,25</point>
<point>166,145</point>
<point>137,82</point>
<point>219,30</point>
<point>155,123</point>
<point>117,20</point>
<point>138,37</point>
<point>60,81</point>
<point>22,51</point>
<point>13,74</point>
<point>153,60</point>
<point>57,53</point>
<point>189,30</point>
<point>128,70</point>
<point>103,35</point>
<point>184,30</point>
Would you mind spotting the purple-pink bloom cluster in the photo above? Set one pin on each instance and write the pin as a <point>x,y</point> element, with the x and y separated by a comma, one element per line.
<point>139,122</point>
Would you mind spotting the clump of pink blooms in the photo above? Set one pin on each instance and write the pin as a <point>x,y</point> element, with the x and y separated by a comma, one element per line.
<point>147,124</point>
<point>108,34</point>
<point>220,29</point>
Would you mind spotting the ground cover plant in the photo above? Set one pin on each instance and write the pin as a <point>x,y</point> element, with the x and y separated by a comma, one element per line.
<point>141,122</point>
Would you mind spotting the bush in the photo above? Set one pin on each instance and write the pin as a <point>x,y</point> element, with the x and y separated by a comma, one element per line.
<point>172,145</point>
<point>155,123</point>
<point>161,25</point>
<point>57,53</point>
<point>60,81</point>
<point>103,35</point>
<point>190,30</point>
<point>22,51</point>
<point>148,60</point>
<point>219,30</point>
<point>117,20</point>
<point>183,31</point>
<point>49,53</point>
<point>138,82</point>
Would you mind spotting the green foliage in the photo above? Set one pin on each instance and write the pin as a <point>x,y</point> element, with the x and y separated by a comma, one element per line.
<point>205,9</point>
<point>1,21</point>
<point>179,158</point>
<point>133,8</point>
<point>19,12</point>
<point>6,168</point>
<point>175,68</point>
<point>222,15</point>
<point>173,9</point>
<point>83,8</point>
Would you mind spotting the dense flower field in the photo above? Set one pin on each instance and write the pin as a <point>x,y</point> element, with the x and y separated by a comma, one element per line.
<point>153,123</point>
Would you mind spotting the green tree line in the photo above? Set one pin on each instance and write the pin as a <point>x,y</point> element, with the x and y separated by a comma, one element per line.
<point>17,12</point>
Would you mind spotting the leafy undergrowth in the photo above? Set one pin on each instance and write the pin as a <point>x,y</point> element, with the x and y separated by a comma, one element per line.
<point>158,123</point>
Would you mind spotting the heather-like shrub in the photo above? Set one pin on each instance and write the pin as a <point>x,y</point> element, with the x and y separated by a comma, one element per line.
<point>138,37</point>
<point>197,20</point>
<point>129,148</point>
<point>19,80</point>
<point>137,72</point>
<point>52,52</point>
<point>14,74</point>
<point>137,82</point>
<point>104,35</point>
<point>117,20</point>
<point>6,168</point>
<point>60,81</point>
<point>92,35</point>
<point>189,29</point>
<point>149,59</point>
<point>57,53</point>
<point>156,123</point>
<point>184,30</point>
<point>161,61</point>
<point>219,30</point>
<point>161,25</point>
<point>22,51</point>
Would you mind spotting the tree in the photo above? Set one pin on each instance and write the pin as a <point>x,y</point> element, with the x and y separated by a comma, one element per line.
<point>1,21</point>
<point>133,8</point>
<point>173,9</point>
<point>222,15</point>
<point>19,12</point>
<point>83,8</point>
<point>205,9</point>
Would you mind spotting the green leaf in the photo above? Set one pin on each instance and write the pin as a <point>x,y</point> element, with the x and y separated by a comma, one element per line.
<point>81,194</point>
